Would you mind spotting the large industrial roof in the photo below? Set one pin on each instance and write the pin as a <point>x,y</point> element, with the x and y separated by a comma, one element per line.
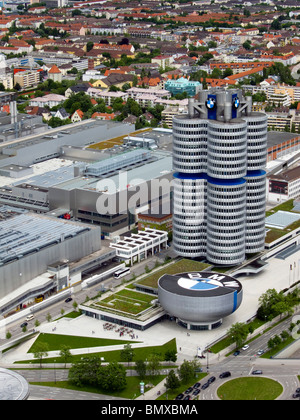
<point>25,233</point>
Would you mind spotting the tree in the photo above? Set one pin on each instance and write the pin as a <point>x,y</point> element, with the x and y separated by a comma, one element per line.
<point>141,368</point>
<point>172,381</point>
<point>238,333</point>
<point>85,371</point>
<point>153,364</point>
<point>112,377</point>
<point>127,353</point>
<point>216,73</point>
<point>270,304</point>
<point>187,370</point>
<point>171,356</point>
<point>89,46</point>
<point>247,45</point>
<point>41,351</point>
<point>65,353</point>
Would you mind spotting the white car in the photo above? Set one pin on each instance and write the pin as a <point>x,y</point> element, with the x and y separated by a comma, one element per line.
<point>246,346</point>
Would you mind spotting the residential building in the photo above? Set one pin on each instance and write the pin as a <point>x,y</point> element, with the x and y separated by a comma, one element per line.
<point>163,61</point>
<point>26,79</point>
<point>169,112</point>
<point>77,116</point>
<point>61,114</point>
<point>50,100</point>
<point>219,157</point>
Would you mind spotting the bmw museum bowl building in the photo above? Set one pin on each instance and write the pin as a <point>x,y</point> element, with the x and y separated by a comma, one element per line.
<point>199,301</point>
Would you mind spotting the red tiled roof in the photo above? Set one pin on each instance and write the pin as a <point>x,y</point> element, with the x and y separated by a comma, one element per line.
<point>54,70</point>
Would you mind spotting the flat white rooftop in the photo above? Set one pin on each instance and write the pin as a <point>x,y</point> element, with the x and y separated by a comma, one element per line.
<point>281,219</point>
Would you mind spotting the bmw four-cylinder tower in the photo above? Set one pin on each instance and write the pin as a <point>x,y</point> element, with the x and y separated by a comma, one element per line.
<point>219,159</point>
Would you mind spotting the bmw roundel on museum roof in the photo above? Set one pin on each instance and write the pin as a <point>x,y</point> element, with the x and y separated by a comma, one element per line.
<point>210,103</point>
<point>203,283</point>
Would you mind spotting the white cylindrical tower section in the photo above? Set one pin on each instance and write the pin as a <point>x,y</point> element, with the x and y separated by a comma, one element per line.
<point>227,149</point>
<point>189,144</point>
<point>255,211</point>
<point>226,203</point>
<point>189,216</point>
<point>257,124</point>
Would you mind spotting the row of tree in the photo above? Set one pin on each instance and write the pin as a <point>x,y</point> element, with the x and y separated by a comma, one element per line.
<point>272,304</point>
<point>112,376</point>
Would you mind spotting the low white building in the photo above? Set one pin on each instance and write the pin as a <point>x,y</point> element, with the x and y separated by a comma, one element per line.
<point>140,245</point>
<point>92,75</point>
<point>50,100</point>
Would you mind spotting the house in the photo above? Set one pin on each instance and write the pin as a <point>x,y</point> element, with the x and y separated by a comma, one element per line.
<point>72,90</point>
<point>77,116</point>
<point>103,116</point>
<point>55,74</point>
<point>131,119</point>
<point>114,79</point>
<point>62,114</point>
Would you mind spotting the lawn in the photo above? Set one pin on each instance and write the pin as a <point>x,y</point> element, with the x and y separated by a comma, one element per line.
<point>55,341</point>
<point>141,353</point>
<point>250,388</point>
<point>131,391</point>
<point>127,301</point>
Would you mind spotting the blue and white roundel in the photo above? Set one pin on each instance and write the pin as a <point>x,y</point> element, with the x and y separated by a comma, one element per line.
<point>199,284</point>
<point>210,103</point>
<point>236,102</point>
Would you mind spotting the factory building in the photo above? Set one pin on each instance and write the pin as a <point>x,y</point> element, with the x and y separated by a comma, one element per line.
<point>31,243</point>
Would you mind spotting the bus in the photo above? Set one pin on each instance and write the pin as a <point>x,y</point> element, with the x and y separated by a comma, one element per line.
<point>121,273</point>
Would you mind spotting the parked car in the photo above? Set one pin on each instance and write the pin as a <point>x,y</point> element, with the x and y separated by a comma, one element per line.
<point>24,325</point>
<point>236,353</point>
<point>179,397</point>
<point>68,299</point>
<point>257,372</point>
<point>260,352</point>
<point>206,385</point>
<point>196,392</point>
<point>225,375</point>
<point>189,390</point>
<point>296,395</point>
<point>197,385</point>
<point>245,347</point>
<point>187,397</point>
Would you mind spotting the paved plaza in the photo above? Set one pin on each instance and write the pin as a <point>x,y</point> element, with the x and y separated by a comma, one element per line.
<point>277,274</point>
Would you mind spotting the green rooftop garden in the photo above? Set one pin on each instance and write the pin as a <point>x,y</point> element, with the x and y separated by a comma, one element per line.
<point>180,266</point>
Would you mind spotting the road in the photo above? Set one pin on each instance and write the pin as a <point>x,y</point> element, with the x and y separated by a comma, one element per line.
<point>283,371</point>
